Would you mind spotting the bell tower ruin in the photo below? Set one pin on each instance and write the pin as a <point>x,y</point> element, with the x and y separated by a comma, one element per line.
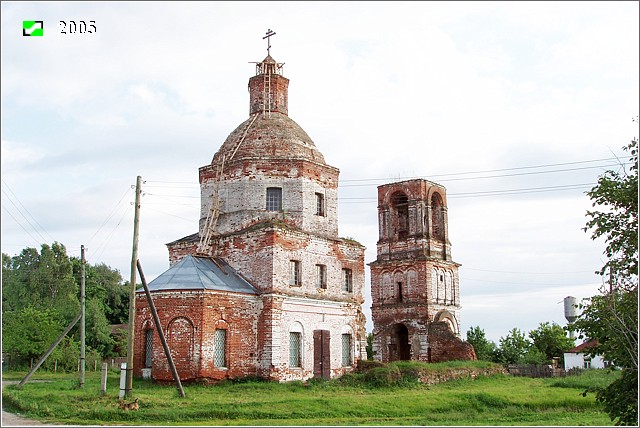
<point>415,286</point>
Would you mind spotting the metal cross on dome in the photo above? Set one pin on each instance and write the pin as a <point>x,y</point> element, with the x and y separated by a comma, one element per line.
<point>268,37</point>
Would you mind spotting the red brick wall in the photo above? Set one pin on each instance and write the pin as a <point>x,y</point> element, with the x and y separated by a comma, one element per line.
<point>445,346</point>
<point>189,320</point>
<point>279,93</point>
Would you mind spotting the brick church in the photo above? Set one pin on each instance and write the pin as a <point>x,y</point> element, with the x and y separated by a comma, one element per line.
<point>266,287</point>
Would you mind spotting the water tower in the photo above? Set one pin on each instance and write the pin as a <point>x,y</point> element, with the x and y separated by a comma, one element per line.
<point>570,312</point>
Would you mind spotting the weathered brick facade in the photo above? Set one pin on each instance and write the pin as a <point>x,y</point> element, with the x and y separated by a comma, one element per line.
<point>414,282</point>
<point>278,229</point>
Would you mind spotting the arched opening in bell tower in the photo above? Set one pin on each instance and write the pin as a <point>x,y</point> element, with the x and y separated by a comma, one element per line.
<point>437,217</point>
<point>399,348</point>
<point>400,204</point>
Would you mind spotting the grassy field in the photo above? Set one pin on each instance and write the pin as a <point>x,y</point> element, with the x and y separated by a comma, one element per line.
<point>495,400</point>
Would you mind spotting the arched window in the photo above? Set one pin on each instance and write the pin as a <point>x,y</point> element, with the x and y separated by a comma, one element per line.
<point>400,204</point>
<point>148,347</point>
<point>437,217</point>
<point>295,344</point>
<point>220,344</point>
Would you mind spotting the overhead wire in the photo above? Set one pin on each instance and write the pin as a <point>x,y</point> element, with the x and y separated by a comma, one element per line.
<point>113,211</point>
<point>19,224</point>
<point>10,199</point>
<point>503,169</point>
<point>102,247</point>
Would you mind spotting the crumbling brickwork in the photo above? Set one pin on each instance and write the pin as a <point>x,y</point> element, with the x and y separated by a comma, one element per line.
<point>189,321</point>
<point>414,282</point>
<point>278,229</point>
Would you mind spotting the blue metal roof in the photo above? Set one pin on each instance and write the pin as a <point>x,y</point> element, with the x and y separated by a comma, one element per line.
<point>201,273</point>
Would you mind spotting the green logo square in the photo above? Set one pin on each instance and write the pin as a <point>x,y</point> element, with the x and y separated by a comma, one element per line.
<point>32,28</point>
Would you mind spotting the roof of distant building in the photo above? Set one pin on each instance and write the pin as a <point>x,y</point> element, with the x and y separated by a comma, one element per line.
<point>583,346</point>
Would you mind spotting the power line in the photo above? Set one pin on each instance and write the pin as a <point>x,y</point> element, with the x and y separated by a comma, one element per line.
<point>513,283</point>
<point>27,211</point>
<point>27,232</point>
<point>359,200</point>
<point>353,180</point>
<point>525,273</point>
<point>113,211</point>
<point>502,169</point>
<point>431,178</point>
<point>106,241</point>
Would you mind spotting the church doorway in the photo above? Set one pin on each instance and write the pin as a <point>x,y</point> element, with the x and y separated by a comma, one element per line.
<point>399,348</point>
<point>321,354</point>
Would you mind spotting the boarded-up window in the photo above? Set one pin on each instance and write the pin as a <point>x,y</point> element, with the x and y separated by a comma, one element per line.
<point>148,348</point>
<point>220,346</point>
<point>295,342</point>
<point>346,350</point>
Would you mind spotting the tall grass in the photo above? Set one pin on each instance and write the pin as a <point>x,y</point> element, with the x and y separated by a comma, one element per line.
<point>352,400</point>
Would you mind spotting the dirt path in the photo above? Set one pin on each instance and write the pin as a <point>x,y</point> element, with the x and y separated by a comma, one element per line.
<point>15,420</point>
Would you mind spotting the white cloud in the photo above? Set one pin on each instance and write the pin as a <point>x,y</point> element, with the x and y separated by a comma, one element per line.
<point>385,90</point>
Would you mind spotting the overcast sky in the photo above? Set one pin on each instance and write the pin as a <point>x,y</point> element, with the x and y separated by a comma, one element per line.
<point>515,107</point>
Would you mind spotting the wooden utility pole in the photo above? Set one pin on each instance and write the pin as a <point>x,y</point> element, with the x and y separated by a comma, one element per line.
<point>132,292</point>
<point>156,319</point>
<point>82,318</point>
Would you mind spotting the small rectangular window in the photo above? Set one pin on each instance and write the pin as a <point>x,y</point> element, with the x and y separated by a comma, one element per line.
<point>220,344</point>
<point>295,279</point>
<point>321,276</point>
<point>347,280</point>
<point>346,350</point>
<point>274,199</point>
<point>399,292</point>
<point>319,204</point>
<point>295,359</point>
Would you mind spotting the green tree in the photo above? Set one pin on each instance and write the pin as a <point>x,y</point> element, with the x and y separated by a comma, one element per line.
<point>369,347</point>
<point>616,219</point>
<point>51,280</point>
<point>97,328</point>
<point>106,285</point>
<point>551,340</point>
<point>534,356</point>
<point>513,347</point>
<point>611,318</point>
<point>485,349</point>
<point>28,332</point>
<point>43,280</point>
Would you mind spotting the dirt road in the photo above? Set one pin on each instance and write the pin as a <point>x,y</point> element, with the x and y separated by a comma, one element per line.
<point>15,420</point>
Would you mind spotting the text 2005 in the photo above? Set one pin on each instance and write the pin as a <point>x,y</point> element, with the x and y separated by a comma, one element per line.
<point>81,27</point>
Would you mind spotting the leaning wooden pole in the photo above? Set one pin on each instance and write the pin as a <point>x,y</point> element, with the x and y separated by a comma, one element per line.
<point>132,292</point>
<point>156,320</point>
<point>49,351</point>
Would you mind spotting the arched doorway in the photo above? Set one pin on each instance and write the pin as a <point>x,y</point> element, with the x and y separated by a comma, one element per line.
<point>399,348</point>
